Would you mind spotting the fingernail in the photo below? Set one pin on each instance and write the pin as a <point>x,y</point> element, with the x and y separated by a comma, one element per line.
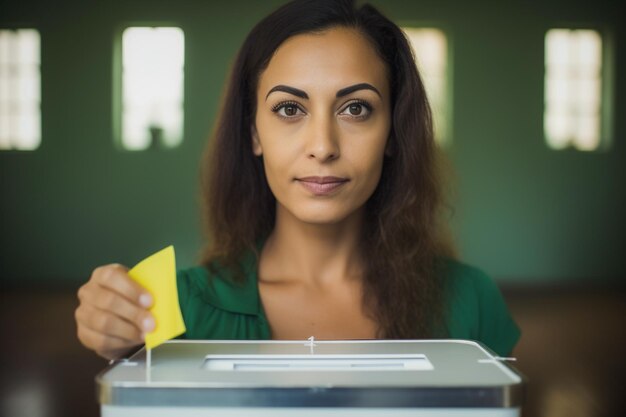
<point>148,324</point>
<point>145,300</point>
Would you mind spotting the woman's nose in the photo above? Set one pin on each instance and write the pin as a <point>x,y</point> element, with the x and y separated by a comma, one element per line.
<point>322,139</point>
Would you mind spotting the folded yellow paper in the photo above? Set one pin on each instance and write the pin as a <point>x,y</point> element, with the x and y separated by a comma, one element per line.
<point>157,274</point>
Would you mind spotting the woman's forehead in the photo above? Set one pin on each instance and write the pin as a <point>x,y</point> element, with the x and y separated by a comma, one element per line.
<point>328,60</point>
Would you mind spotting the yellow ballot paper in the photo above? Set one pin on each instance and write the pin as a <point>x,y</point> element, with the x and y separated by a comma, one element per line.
<point>157,274</point>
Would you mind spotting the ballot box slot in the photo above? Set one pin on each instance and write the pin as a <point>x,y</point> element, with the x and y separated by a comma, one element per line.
<point>317,363</point>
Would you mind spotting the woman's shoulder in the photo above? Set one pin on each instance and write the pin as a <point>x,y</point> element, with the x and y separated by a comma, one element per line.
<point>476,308</point>
<point>219,287</point>
<point>462,279</point>
<point>216,306</point>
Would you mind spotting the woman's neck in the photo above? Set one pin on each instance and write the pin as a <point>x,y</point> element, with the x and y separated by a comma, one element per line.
<point>316,254</point>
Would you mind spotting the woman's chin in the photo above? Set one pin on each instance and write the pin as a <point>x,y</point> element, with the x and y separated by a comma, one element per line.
<point>322,215</point>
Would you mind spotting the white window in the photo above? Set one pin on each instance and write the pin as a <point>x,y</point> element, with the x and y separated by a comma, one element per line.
<point>431,53</point>
<point>152,81</point>
<point>20,89</point>
<point>573,89</point>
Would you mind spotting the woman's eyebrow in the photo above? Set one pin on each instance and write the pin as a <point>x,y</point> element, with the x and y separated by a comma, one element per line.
<point>343,92</point>
<point>356,87</point>
<point>291,90</point>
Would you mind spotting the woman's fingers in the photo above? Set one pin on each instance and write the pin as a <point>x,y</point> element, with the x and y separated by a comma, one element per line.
<point>108,301</point>
<point>115,277</point>
<point>107,346</point>
<point>108,324</point>
<point>112,315</point>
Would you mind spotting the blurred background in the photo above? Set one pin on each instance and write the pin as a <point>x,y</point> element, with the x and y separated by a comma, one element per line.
<point>105,109</point>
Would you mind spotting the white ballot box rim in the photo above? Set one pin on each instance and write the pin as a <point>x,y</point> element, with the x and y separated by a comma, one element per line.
<point>367,374</point>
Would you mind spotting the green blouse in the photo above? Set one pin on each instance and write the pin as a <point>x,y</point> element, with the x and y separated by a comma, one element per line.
<point>214,307</point>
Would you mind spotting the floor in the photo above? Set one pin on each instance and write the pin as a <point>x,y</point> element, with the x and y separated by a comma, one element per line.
<point>572,352</point>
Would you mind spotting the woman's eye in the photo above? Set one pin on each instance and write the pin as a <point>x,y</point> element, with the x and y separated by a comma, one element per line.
<point>358,110</point>
<point>355,109</point>
<point>287,110</point>
<point>290,110</point>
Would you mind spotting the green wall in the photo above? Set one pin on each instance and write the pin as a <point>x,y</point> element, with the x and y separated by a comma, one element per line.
<point>522,212</point>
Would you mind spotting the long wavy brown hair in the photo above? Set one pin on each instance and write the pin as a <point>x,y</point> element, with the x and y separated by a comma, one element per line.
<point>402,234</point>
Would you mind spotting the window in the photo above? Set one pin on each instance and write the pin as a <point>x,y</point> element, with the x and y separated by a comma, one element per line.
<point>152,80</point>
<point>20,89</point>
<point>573,114</point>
<point>431,53</point>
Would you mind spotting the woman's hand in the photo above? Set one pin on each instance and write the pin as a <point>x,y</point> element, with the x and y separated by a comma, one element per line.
<point>112,316</point>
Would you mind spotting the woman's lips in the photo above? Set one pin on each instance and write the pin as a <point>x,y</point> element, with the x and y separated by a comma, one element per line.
<point>322,185</point>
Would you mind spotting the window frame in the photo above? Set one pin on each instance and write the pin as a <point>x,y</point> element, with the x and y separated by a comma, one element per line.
<point>447,140</point>
<point>30,26</point>
<point>607,94</point>
<point>118,84</point>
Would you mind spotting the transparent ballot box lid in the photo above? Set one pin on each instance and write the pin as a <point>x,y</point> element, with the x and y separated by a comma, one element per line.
<point>311,373</point>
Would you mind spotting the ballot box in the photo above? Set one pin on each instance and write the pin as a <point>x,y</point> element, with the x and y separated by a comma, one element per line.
<point>311,378</point>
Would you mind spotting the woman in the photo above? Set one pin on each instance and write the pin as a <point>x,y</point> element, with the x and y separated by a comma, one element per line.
<point>322,202</point>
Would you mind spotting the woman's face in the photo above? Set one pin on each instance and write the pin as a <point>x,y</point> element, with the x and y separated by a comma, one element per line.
<point>322,123</point>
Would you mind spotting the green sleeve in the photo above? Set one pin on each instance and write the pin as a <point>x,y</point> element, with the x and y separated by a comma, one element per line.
<point>206,316</point>
<point>477,310</point>
<point>182,285</point>
<point>202,321</point>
